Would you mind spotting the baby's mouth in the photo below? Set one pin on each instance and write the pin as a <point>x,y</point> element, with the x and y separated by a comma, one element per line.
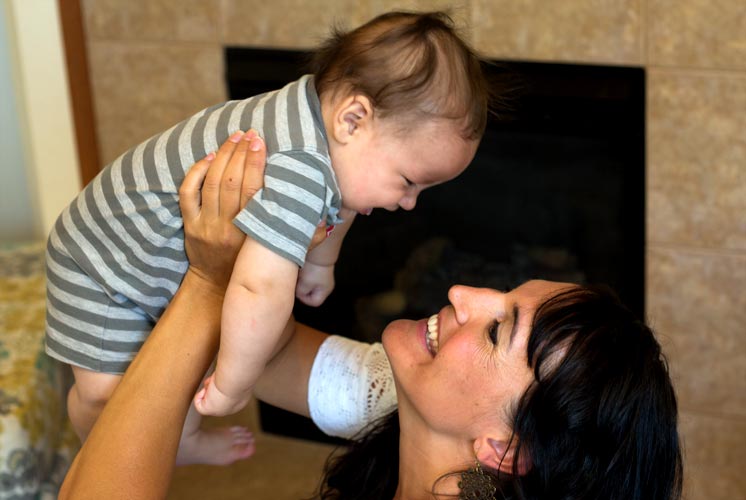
<point>432,334</point>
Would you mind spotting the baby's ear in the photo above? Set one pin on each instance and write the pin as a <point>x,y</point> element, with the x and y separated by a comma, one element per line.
<point>500,455</point>
<point>353,114</point>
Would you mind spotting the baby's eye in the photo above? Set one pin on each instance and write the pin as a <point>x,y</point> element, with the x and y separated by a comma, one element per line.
<point>492,331</point>
<point>409,183</point>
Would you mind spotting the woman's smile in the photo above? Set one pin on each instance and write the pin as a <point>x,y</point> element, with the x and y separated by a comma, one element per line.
<point>432,338</point>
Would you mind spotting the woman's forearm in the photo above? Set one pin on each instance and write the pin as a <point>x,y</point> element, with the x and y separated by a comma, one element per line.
<point>284,382</point>
<point>131,450</point>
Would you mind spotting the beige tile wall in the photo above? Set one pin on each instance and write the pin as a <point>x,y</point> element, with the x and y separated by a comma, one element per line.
<point>154,63</point>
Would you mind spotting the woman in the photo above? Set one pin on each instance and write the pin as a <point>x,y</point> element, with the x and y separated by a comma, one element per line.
<point>556,390</point>
<point>547,391</point>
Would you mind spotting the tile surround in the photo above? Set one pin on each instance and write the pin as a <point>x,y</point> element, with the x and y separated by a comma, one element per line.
<point>697,305</point>
<point>602,31</point>
<point>715,448</point>
<point>697,33</point>
<point>285,23</point>
<point>141,89</point>
<point>301,24</point>
<point>460,11</point>
<point>696,171</point>
<point>164,20</point>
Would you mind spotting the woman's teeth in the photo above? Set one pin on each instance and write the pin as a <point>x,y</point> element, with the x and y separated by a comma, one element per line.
<point>432,334</point>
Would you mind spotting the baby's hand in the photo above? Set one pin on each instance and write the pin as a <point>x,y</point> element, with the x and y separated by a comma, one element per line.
<point>315,283</point>
<point>211,401</point>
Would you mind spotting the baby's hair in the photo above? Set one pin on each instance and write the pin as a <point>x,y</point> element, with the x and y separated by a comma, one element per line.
<point>410,65</point>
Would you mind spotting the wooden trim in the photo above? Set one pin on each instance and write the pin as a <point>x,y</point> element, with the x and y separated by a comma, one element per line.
<point>76,56</point>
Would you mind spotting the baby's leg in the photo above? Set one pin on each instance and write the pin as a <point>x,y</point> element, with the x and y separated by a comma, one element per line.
<point>219,446</point>
<point>87,398</point>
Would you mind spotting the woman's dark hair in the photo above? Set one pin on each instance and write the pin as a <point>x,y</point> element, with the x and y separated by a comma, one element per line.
<point>602,423</point>
<point>598,422</point>
<point>368,468</point>
<point>408,64</point>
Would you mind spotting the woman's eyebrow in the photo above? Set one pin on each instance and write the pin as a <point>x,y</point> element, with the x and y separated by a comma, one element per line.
<point>514,328</point>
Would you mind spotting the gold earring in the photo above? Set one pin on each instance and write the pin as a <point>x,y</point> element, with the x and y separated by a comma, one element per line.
<point>476,484</point>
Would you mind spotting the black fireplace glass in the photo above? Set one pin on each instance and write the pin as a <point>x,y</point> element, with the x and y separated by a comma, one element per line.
<point>555,191</point>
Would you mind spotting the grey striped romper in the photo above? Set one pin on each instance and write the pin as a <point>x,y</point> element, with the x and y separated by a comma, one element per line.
<point>115,256</point>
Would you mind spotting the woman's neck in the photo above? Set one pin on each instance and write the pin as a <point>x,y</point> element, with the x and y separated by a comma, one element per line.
<point>427,460</point>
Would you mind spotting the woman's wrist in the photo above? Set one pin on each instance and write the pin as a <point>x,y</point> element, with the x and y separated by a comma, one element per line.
<point>196,279</point>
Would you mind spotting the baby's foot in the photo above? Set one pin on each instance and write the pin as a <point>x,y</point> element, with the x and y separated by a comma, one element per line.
<point>213,402</point>
<point>216,446</point>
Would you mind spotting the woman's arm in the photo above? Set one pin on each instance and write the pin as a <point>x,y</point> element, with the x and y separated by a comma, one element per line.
<point>131,450</point>
<point>343,385</point>
<point>284,382</point>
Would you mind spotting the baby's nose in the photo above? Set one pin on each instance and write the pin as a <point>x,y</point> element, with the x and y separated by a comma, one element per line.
<point>408,202</point>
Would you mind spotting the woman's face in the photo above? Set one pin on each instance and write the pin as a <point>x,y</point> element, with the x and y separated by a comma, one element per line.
<point>463,368</point>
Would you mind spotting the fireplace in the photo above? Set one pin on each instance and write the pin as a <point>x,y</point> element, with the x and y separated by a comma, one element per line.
<point>556,191</point>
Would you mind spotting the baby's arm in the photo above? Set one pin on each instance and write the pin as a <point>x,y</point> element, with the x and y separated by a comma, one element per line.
<point>316,279</point>
<point>258,303</point>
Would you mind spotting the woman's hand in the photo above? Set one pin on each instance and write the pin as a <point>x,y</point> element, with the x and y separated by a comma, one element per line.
<point>213,192</point>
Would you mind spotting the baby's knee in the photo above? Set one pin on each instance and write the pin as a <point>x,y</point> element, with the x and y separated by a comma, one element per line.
<point>93,389</point>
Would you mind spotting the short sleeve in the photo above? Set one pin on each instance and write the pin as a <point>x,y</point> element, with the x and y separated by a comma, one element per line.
<point>283,215</point>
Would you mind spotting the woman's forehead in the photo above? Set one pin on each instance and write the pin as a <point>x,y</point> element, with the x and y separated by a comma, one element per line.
<point>522,302</point>
<point>535,292</point>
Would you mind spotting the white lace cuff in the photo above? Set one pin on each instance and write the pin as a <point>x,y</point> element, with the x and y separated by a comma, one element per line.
<point>350,386</point>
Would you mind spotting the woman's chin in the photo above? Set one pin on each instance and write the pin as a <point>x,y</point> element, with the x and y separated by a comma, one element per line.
<point>404,343</point>
<point>398,326</point>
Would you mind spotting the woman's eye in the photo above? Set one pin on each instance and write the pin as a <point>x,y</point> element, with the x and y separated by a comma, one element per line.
<point>492,331</point>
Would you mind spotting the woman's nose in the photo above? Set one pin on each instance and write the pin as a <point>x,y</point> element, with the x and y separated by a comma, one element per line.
<point>469,301</point>
<point>458,296</point>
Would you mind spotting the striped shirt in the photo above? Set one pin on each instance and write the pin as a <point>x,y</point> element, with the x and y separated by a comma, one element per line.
<point>125,230</point>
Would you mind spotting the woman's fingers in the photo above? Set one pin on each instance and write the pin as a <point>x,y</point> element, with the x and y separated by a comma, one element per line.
<point>253,173</point>
<point>211,188</point>
<point>190,197</point>
<point>232,177</point>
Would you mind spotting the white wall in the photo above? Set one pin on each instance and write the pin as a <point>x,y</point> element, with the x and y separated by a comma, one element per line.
<point>44,126</point>
<point>17,220</point>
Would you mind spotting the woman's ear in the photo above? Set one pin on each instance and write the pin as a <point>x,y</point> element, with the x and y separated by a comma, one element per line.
<point>500,455</point>
<point>352,115</point>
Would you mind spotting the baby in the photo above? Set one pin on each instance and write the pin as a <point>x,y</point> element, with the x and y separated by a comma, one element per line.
<point>392,108</point>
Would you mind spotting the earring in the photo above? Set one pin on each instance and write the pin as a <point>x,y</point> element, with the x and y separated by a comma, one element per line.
<point>476,484</point>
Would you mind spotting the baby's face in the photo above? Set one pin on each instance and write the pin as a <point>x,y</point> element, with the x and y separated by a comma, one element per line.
<point>389,171</point>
